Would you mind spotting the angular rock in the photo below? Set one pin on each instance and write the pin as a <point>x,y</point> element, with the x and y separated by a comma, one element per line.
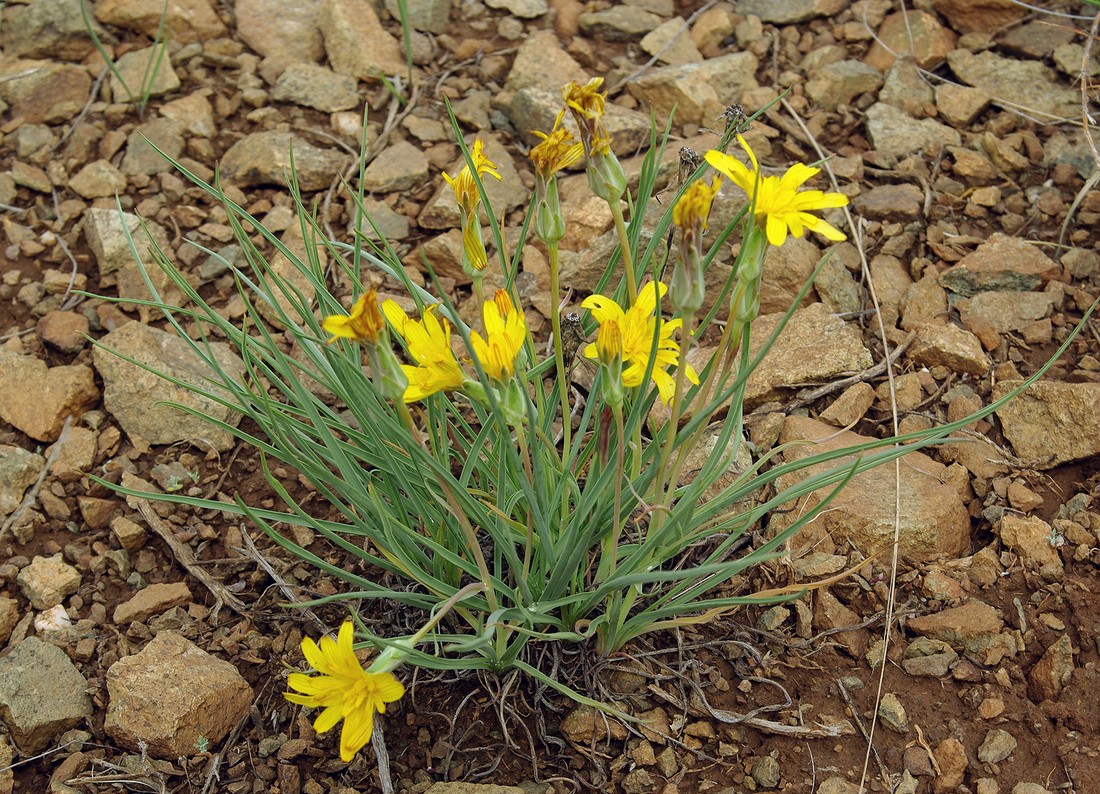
<point>401,166</point>
<point>787,268</point>
<point>109,234</point>
<point>142,144</point>
<point>541,63</point>
<point>263,158</point>
<point>44,92</point>
<point>1023,82</point>
<point>194,112</point>
<point>171,695</point>
<point>959,104</point>
<point>42,694</point>
<point>785,12</point>
<point>153,600</point>
<point>1053,671</point>
<point>894,132</point>
<point>584,723</point>
<point>1051,423</point>
<point>432,16</point>
<point>815,346</point>
<point>47,581</point>
<point>904,202</point>
<point>949,346</point>
<point>839,83</point>
<point>1001,263</point>
<point>907,89</point>
<point>951,759</point>
<point>892,713</point>
<point>620,22</point>
<point>143,73</point>
<point>355,41</point>
<point>314,86</point>
<point>979,16</point>
<point>933,518</point>
<point>98,179</point>
<point>698,92</point>
<point>1031,538</point>
<point>524,9</point>
<point>184,21</point>
<point>1005,311</point>
<point>974,627</point>
<point>36,400</point>
<point>48,29</point>
<point>19,469</point>
<point>996,747</point>
<point>921,36</point>
<point>132,394</point>
<point>285,31</point>
<point>830,613</point>
<point>928,657</point>
<point>383,223</point>
<point>850,406</point>
<point>671,44</point>
<point>536,109</point>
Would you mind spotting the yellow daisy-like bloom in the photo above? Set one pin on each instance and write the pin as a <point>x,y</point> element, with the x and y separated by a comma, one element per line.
<point>464,186</point>
<point>693,209</point>
<point>429,344</point>
<point>364,324</point>
<point>558,150</point>
<point>587,105</point>
<point>609,341</point>
<point>637,327</point>
<point>779,203</point>
<point>343,689</point>
<point>505,333</point>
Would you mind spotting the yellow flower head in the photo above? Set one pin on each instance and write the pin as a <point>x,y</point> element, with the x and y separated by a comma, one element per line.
<point>558,150</point>
<point>637,327</point>
<point>343,689</point>
<point>693,209</point>
<point>587,106</point>
<point>429,344</point>
<point>464,186</point>
<point>505,333</point>
<point>364,324</point>
<point>778,203</point>
<point>609,341</point>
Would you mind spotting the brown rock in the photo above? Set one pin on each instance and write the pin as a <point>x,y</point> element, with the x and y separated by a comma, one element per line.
<point>1001,263</point>
<point>37,400</point>
<point>1053,670</point>
<point>902,202</point>
<point>850,406</point>
<point>43,92</point>
<point>951,347</point>
<point>922,36</point>
<point>974,627</point>
<point>153,600</point>
<point>979,16</point>
<point>184,21</point>
<point>951,759</point>
<point>65,331</point>
<point>1051,423</point>
<point>829,613</point>
<point>585,723</point>
<point>356,42</point>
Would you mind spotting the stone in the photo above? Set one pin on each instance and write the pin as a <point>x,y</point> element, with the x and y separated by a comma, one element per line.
<point>128,534</point>
<point>64,330</point>
<point>765,771</point>
<point>698,92</point>
<point>1023,498</point>
<point>473,788</point>
<point>143,73</point>
<point>285,31</point>
<point>619,23</point>
<point>949,346</point>
<point>541,63</point>
<point>1025,83</point>
<point>182,21</point>
<point>263,158</point>
<point>785,12</point>
<point>42,694</point>
<point>1052,422</point>
<point>356,43</point>
<point>43,92</point>
<point>98,179</point>
<point>952,762</point>
<point>850,406</point>
<point>671,43</point>
<point>892,713</point>
<point>153,600</point>
<point>920,36</point>
<point>314,86</point>
<point>19,469</point>
<point>110,234</point>
<point>815,346</point>
<point>830,613</point>
<point>1031,538</point>
<point>902,202</point>
<point>48,29</point>
<point>1004,310</point>
<point>382,223</point>
<point>524,9</point>
<point>194,112</point>
<point>838,291</point>
<point>431,16</point>
<point>1053,671</point>
<point>787,268</point>
<point>839,83</point>
<point>979,16</point>
<point>1001,263</point>
<point>171,695</point>
<point>959,104</point>
<point>908,90</point>
<point>584,724</point>
<point>838,785</point>
<point>401,166</point>
<point>47,581</point>
<point>142,144</point>
<point>37,399</point>
<point>934,520</point>
<point>536,109</point>
<point>134,395</point>
<point>974,627</point>
<point>896,133</point>
<point>929,658</point>
<point>996,747</point>
<point>1028,788</point>
<point>1037,39</point>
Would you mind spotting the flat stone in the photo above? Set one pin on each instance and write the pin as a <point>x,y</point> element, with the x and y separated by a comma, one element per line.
<point>130,80</point>
<point>356,43</point>
<point>401,166</point>
<point>698,92</point>
<point>141,157</point>
<point>950,755</point>
<point>830,613</point>
<point>472,788</point>
<point>979,16</point>
<point>903,202</point>
<point>36,399</point>
<point>541,63</point>
<point>838,291</point>
<point>109,234</point>
<point>908,90</point>
<point>194,112</point>
<point>671,43</point>
<point>1037,39</point>
<point>314,86</point>
<point>785,12</point>
<point>1052,422</point>
<point>928,658</point>
<point>850,406</point>
<point>892,713</point>
<point>135,396</point>
<point>896,133</point>
<point>1030,537</point>
<point>974,627</point>
<point>48,581</point>
<point>285,31</point>
<point>383,222</point>
<point>153,600</point>
<point>524,9</point>
<point>934,520</point>
<point>182,21</point>
<point>1001,263</point>
<point>263,158</point>
<point>996,747</point>
<point>43,92</point>
<point>1025,83</point>
<point>98,179</point>
<point>920,36</point>
<point>1053,671</point>
<point>1004,310</point>
<point>174,698</point>
<point>959,104</point>
<point>949,346</point>
<point>42,694</point>
<point>19,468</point>
<point>48,29</point>
<point>30,176</point>
<point>839,83</point>
<point>619,23</point>
<point>431,16</point>
<point>585,723</point>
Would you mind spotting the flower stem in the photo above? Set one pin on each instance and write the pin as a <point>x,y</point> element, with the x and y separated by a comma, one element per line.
<point>624,247</point>
<point>559,355</point>
<point>686,330</point>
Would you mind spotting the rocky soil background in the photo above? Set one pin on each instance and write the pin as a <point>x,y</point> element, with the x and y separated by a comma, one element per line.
<point>145,647</point>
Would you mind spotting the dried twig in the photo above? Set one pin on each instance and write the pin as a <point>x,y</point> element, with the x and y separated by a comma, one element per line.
<point>254,554</point>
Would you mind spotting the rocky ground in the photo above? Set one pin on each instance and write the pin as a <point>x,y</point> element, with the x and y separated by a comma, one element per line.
<point>146,648</point>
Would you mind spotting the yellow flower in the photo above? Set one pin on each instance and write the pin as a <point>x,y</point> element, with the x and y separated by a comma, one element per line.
<point>364,324</point>
<point>587,105</point>
<point>558,150</point>
<point>429,344</point>
<point>693,209</point>
<point>778,201</point>
<point>343,689</point>
<point>609,341</point>
<point>464,186</point>
<point>637,327</point>
<point>505,333</point>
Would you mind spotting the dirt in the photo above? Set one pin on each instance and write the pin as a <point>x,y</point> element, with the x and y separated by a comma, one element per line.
<point>690,685</point>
